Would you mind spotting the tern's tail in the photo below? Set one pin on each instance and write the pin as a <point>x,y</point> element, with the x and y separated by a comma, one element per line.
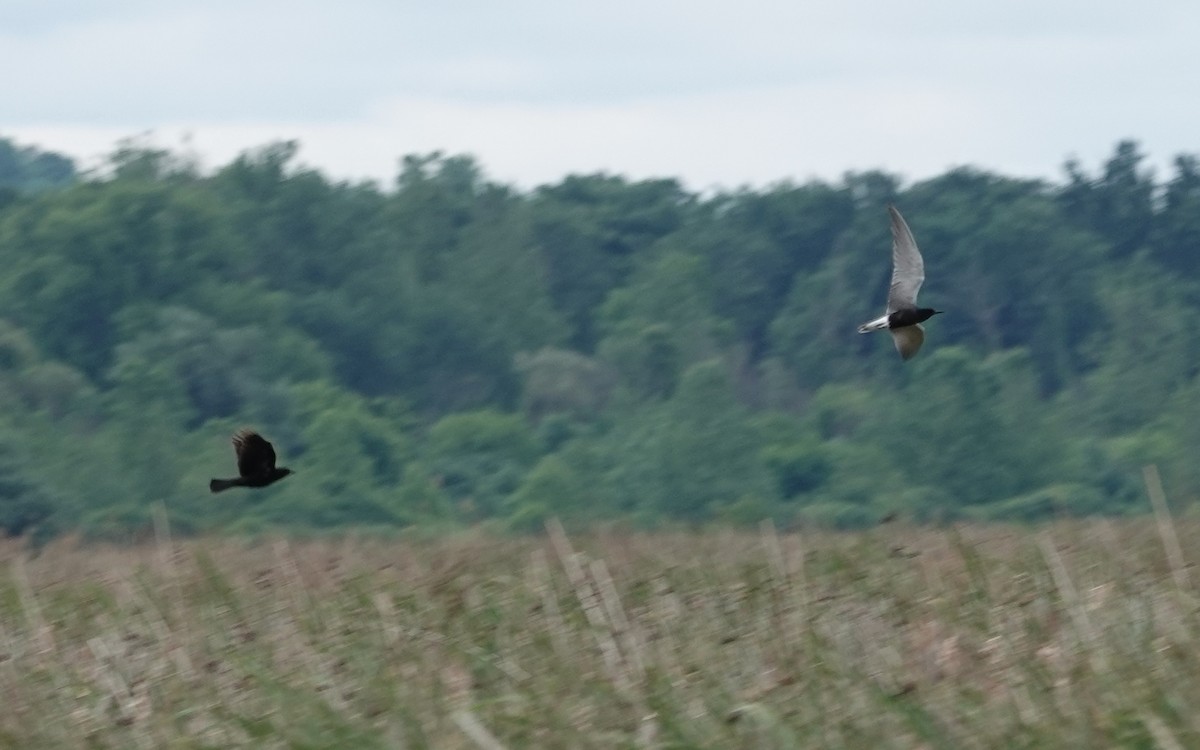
<point>875,325</point>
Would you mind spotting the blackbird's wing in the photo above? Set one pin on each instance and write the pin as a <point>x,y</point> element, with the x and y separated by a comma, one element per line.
<point>255,456</point>
<point>908,269</point>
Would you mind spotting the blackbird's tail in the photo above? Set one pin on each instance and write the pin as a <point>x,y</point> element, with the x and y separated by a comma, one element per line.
<point>219,485</point>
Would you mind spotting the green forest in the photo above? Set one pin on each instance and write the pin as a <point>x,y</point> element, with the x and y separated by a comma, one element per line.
<point>450,351</point>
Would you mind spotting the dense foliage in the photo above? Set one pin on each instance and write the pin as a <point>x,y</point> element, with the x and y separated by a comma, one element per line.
<point>450,350</point>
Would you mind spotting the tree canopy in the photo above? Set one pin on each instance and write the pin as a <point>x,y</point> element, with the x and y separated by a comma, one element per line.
<point>451,350</point>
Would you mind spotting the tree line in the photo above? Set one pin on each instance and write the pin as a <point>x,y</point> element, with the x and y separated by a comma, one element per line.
<point>450,350</point>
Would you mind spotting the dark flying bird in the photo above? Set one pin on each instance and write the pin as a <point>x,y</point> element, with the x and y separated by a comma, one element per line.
<point>256,463</point>
<point>903,317</point>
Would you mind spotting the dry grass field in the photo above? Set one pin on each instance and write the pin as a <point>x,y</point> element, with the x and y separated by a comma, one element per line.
<point>1076,634</point>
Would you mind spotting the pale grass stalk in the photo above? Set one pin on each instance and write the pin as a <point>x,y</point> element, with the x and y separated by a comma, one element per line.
<point>165,550</point>
<point>801,574</point>
<point>10,671</point>
<point>647,732</point>
<point>616,615</point>
<point>293,580</point>
<point>1024,705</point>
<point>176,648</point>
<point>767,724</point>
<point>302,602</point>
<point>123,696</point>
<point>777,559</point>
<point>589,601</point>
<point>1166,527</point>
<point>478,733</point>
<point>387,617</point>
<point>500,662</point>
<point>114,681</point>
<point>163,547</point>
<point>1074,605</point>
<point>770,541</point>
<point>559,632</point>
<point>1163,737</point>
<point>33,613</point>
<point>1067,590</point>
<point>665,610</point>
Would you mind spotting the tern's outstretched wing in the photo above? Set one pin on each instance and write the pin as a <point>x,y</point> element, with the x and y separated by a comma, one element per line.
<point>908,340</point>
<point>908,270</point>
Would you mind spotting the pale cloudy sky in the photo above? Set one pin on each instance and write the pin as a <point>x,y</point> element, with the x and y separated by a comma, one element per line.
<point>719,94</point>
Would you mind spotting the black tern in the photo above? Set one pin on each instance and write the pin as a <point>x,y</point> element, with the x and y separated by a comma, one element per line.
<point>903,317</point>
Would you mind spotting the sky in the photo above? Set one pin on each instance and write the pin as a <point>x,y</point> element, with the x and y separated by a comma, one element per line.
<point>717,94</point>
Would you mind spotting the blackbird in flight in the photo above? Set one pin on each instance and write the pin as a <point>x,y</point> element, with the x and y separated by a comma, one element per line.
<point>903,318</point>
<point>256,463</point>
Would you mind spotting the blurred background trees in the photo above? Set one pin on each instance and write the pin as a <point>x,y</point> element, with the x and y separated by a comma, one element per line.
<point>449,350</point>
